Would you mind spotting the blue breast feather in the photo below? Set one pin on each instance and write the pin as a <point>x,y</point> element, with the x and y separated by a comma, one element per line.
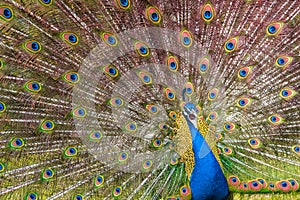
<point>207,179</point>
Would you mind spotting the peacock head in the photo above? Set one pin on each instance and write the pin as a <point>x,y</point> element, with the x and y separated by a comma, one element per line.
<point>190,113</point>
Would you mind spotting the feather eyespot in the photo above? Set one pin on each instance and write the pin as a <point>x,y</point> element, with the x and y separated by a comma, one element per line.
<point>78,197</point>
<point>271,186</point>
<point>16,143</point>
<point>244,72</point>
<point>283,61</point>
<point>189,89</point>
<point>47,125</point>
<point>71,77</point>
<point>32,46</point>
<point>254,185</point>
<point>254,143</point>
<point>185,191</point>
<point>173,115</point>
<point>274,28</point>
<point>231,44</point>
<point>70,38</point>
<point>152,109</point>
<point>109,38</point>
<point>234,180</point>
<point>147,164</point>
<point>296,149</point>
<point>262,181</point>
<point>186,38</point>
<point>123,157</point>
<point>145,77</point>
<point>227,151</point>
<point>212,128</point>
<point>124,4</point>
<point>212,116</point>
<point>163,126</point>
<point>153,15</point>
<point>2,107</point>
<point>111,71</point>
<point>33,86</point>
<point>79,112</point>
<point>2,167</point>
<point>204,65</point>
<point>219,136</point>
<point>47,174</point>
<point>31,196</point>
<point>6,13</point>
<point>95,136</point>
<point>284,185</point>
<point>70,152</point>
<point>98,181</point>
<point>172,64</point>
<point>157,143</point>
<point>228,126</point>
<point>142,49</point>
<point>287,93</point>
<point>243,186</point>
<point>131,127</point>
<point>213,94</point>
<point>207,13</point>
<point>117,191</point>
<point>174,161</point>
<point>244,102</point>
<point>116,102</point>
<point>294,183</point>
<point>45,2</point>
<point>170,94</point>
<point>2,63</point>
<point>275,119</point>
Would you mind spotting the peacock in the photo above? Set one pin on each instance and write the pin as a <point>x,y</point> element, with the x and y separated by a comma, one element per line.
<point>149,99</point>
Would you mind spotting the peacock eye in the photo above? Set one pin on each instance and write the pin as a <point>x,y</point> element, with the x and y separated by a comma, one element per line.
<point>153,15</point>
<point>145,77</point>
<point>192,116</point>
<point>189,88</point>
<point>184,191</point>
<point>109,38</point>
<point>207,13</point>
<point>32,46</point>
<point>131,127</point>
<point>2,107</point>
<point>111,71</point>
<point>45,2</point>
<point>98,181</point>
<point>170,94</point>
<point>142,49</point>
<point>6,13</point>
<point>203,65</point>
<point>234,180</point>
<point>283,61</point>
<point>231,44</point>
<point>147,164</point>
<point>186,38</point>
<point>244,72</point>
<point>274,28</point>
<point>172,63</point>
<point>124,4</point>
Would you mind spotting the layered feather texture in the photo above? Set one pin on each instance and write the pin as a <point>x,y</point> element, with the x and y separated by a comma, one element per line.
<point>92,95</point>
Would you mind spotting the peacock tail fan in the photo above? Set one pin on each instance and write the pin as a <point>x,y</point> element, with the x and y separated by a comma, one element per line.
<point>136,99</point>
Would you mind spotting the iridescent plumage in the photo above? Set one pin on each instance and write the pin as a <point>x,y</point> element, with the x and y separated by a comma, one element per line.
<point>131,99</point>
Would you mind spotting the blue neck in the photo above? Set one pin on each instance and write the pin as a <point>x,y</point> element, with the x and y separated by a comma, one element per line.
<point>207,179</point>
